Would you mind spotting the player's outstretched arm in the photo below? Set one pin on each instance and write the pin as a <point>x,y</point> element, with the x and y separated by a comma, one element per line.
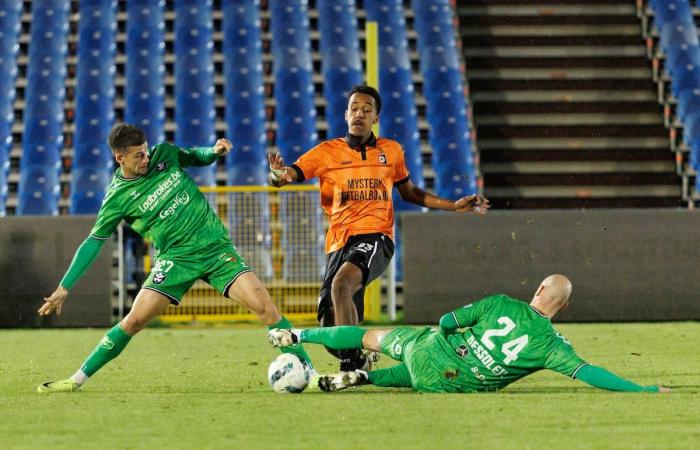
<point>413,194</point>
<point>603,379</point>
<point>280,174</point>
<point>83,259</point>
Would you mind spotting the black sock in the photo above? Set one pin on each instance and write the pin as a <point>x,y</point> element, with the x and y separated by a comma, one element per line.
<point>350,360</point>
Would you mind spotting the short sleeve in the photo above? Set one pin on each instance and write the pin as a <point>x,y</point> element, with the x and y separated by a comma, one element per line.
<point>311,163</point>
<point>562,358</point>
<point>400,169</point>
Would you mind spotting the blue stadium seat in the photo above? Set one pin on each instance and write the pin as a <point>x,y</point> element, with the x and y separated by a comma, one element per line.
<point>203,176</point>
<point>3,192</point>
<point>688,101</point>
<point>39,190</point>
<point>144,89</point>
<point>671,11</point>
<point>88,187</point>
<point>676,34</point>
<point>250,174</point>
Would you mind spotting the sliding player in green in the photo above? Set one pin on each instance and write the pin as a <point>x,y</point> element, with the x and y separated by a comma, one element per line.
<point>152,192</point>
<point>504,339</point>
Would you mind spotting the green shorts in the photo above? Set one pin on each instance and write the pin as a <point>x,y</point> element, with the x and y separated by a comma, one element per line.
<point>399,342</point>
<point>425,361</point>
<point>173,275</point>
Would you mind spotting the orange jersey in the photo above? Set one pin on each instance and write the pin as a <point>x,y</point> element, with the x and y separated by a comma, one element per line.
<point>356,186</point>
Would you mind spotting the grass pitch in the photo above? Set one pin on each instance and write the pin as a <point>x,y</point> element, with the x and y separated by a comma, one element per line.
<point>207,388</point>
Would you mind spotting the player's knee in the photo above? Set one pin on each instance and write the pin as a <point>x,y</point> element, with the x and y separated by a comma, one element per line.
<point>132,324</point>
<point>267,313</point>
<point>343,289</point>
<point>372,339</point>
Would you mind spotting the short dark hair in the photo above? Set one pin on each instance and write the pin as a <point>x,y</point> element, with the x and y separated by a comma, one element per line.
<point>125,135</point>
<point>369,90</point>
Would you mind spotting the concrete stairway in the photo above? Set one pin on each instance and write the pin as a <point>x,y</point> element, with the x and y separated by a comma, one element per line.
<point>564,104</point>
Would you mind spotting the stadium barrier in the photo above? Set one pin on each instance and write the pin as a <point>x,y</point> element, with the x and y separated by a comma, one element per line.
<point>625,265</point>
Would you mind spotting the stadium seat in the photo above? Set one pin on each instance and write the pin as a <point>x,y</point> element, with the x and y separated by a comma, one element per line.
<point>144,89</point>
<point>250,174</point>
<point>203,176</point>
<point>676,34</point>
<point>38,190</point>
<point>671,11</point>
<point>3,192</point>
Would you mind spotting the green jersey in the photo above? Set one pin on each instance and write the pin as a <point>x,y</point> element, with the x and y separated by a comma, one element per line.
<point>164,205</point>
<point>505,340</point>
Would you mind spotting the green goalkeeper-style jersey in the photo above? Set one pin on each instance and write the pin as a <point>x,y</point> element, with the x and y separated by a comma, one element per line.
<point>505,340</point>
<point>164,205</point>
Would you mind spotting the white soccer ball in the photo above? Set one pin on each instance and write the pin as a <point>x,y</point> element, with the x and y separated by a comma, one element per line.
<point>288,374</point>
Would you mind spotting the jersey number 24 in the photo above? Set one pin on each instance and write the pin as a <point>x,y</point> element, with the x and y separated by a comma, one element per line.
<point>510,349</point>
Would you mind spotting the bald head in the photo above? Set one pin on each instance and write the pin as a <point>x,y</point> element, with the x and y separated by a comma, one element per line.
<point>552,295</point>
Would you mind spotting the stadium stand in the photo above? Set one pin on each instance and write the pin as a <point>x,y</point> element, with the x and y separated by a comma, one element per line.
<point>94,109</point>
<point>444,91</point>
<point>194,81</point>
<point>244,93</point>
<point>564,107</point>
<point>341,62</point>
<point>144,90</point>
<point>672,43</point>
<point>10,26</point>
<point>43,112</point>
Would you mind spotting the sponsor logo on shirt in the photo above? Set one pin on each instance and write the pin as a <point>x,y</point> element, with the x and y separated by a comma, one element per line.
<point>345,163</point>
<point>358,189</point>
<point>462,351</point>
<point>181,199</point>
<point>162,191</point>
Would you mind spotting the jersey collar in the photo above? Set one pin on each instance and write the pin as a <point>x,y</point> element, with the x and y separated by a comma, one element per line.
<point>538,312</point>
<point>355,144</point>
<point>119,175</point>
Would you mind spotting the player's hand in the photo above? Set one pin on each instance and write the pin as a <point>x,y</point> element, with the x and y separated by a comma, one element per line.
<point>54,302</point>
<point>472,203</point>
<point>222,146</point>
<point>278,169</point>
<point>664,389</point>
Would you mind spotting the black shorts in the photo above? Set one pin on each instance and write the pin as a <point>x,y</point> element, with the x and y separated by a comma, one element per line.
<point>371,253</point>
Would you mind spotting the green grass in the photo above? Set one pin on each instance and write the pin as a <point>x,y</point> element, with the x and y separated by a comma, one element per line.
<point>207,388</point>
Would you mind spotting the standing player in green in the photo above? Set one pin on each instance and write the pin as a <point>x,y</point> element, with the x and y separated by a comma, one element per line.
<point>504,340</point>
<point>152,192</point>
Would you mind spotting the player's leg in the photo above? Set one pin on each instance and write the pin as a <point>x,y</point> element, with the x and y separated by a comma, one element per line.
<point>148,304</point>
<point>396,376</point>
<point>365,257</point>
<point>336,338</point>
<point>247,290</point>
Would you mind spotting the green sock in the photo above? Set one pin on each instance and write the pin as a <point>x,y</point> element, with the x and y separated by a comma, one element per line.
<point>396,376</point>
<point>337,338</point>
<point>296,349</point>
<point>110,346</point>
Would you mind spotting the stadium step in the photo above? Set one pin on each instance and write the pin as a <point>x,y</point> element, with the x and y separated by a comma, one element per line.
<point>564,105</point>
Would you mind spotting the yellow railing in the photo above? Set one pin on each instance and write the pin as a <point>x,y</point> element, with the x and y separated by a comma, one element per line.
<point>280,233</point>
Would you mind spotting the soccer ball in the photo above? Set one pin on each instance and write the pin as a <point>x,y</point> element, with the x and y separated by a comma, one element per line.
<point>288,374</point>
